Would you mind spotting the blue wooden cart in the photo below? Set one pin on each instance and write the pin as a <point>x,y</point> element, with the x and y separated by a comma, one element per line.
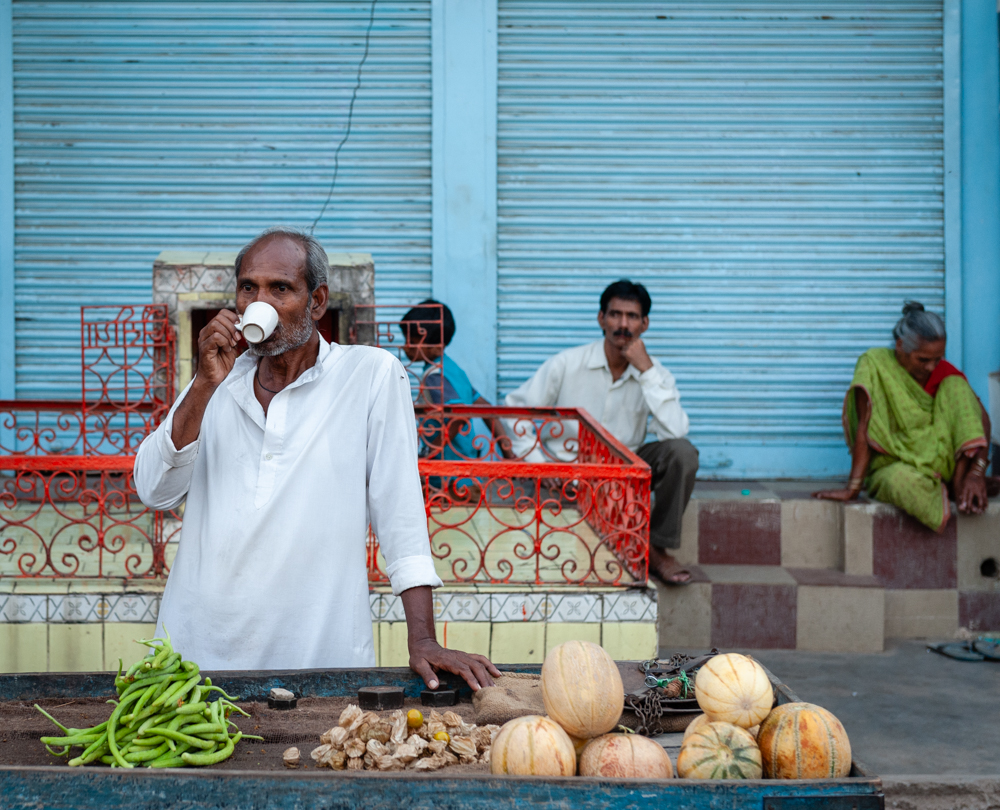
<point>61,788</point>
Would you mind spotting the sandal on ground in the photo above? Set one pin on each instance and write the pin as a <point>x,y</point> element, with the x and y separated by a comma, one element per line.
<point>668,573</point>
<point>958,650</point>
<point>989,648</point>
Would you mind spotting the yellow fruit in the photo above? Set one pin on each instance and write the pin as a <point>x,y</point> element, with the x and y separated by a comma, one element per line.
<point>582,689</point>
<point>443,735</point>
<point>625,756</point>
<point>532,746</point>
<point>414,719</point>
<point>719,751</point>
<point>733,688</point>
<point>803,741</point>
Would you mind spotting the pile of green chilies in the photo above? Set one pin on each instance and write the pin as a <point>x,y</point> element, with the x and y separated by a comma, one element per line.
<point>162,718</point>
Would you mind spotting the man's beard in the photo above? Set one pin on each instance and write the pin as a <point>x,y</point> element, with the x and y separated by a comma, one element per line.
<point>285,338</point>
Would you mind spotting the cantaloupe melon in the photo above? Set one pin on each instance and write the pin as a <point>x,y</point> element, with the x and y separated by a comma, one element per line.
<point>532,746</point>
<point>733,688</point>
<point>702,719</point>
<point>719,751</point>
<point>803,741</point>
<point>582,689</point>
<point>627,756</point>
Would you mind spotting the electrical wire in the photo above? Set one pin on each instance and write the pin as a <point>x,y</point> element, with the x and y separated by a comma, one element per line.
<point>350,117</point>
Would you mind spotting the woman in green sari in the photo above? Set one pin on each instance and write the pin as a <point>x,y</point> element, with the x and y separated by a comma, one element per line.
<point>917,431</point>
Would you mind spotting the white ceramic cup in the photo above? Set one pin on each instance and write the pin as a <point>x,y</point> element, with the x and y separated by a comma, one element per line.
<point>258,322</point>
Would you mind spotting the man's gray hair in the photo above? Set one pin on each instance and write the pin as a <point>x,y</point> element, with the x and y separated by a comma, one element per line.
<point>917,326</point>
<point>317,265</point>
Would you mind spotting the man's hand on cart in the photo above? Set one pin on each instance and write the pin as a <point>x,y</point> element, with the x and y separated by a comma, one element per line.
<point>427,657</point>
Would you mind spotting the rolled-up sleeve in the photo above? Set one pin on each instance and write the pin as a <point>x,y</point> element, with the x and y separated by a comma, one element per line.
<point>664,402</point>
<point>395,497</point>
<point>162,473</point>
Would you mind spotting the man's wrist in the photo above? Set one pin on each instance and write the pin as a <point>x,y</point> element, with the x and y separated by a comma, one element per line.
<point>202,387</point>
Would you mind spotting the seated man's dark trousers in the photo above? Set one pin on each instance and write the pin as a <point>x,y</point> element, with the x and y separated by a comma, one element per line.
<point>674,464</point>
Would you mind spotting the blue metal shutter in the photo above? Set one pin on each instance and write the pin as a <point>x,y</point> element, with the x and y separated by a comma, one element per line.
<point>142,126</point>
<point>771,170</point>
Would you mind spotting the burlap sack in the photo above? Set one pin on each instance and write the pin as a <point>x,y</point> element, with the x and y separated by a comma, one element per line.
<point>517,694</point>
<point>513,694</point>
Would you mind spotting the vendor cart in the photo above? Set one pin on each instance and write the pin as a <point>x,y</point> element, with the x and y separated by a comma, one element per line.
<point>41,787</point>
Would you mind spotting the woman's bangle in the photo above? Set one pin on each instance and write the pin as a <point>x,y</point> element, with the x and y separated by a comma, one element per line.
<point>980,465</point>
<point>855,484</point>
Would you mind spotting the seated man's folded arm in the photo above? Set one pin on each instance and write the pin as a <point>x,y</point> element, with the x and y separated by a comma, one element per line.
<point>541,390</point>
<point>162,473</point>
<point>664,402</point>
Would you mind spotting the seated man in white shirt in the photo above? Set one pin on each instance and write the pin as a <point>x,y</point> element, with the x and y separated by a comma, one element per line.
<point>282,456</point>
<point>621,386</point>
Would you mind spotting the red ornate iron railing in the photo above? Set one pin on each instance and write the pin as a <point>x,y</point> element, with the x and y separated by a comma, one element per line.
<point>513,496</point>
<point>579,515</point>
<point>127,385</point>
<point>68,506</point>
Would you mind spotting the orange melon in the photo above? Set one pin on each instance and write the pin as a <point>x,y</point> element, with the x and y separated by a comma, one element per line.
<point>719,751</point>
<point>733,688</point>
<point>532,746</point>
<point>803,741</point>
<point>582,689</point>
<point>625,756</point>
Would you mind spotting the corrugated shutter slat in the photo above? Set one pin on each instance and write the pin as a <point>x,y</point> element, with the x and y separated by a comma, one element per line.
<point>142,126</point>
<point>772,171</point>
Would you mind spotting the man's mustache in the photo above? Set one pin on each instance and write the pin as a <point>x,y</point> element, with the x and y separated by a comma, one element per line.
<point>622,333</point>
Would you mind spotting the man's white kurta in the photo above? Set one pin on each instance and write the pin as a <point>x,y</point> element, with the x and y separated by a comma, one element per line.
<point>271,569</point>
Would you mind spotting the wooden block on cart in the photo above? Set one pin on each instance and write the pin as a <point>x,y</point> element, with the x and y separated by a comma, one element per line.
<point>380,698</point>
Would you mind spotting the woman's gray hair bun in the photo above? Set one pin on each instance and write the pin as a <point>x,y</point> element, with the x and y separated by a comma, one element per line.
<point>918,326</point>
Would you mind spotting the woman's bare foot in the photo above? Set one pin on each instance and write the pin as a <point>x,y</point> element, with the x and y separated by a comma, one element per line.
<point>666,568</point>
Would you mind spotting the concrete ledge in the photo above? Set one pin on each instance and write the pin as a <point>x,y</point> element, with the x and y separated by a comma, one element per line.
<point>942,792</point>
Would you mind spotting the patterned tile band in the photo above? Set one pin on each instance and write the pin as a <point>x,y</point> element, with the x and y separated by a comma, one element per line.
<point>626,606</point>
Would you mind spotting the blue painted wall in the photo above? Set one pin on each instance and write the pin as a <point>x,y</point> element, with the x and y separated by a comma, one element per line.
<point>464,180</point>
<point>980,192</point>
<point>7,389</point>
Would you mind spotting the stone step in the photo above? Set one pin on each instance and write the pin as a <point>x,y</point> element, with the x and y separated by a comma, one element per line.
<point>776,568</point>
<point>773,607</point>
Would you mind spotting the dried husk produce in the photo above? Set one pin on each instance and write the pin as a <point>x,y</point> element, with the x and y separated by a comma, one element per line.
<point>401,741</point>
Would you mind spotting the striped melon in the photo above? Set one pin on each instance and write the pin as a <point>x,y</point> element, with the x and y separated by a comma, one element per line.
<point>733,688</point>
<point>803,741</point>
<point>701,719</point>
<point>719,751</point>
<point>532,746</point>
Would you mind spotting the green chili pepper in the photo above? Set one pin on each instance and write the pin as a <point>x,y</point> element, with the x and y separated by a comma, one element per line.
<point>213,757</point>
<point>147,756</point>
<point>178,736</point>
